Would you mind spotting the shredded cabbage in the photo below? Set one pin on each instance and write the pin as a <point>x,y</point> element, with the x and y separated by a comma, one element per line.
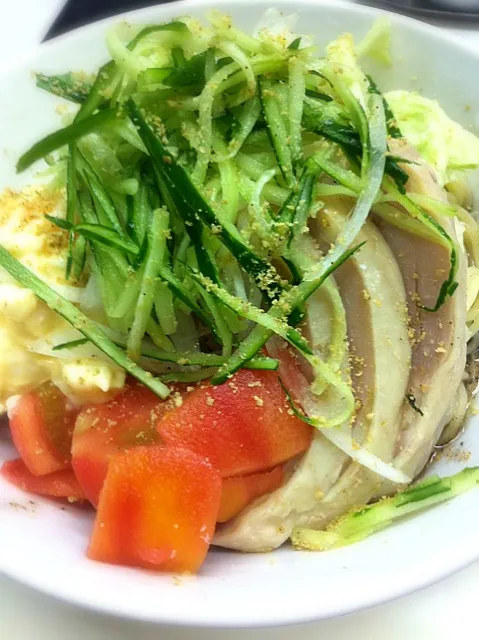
<point>377,42</point>
<point>443,143</point>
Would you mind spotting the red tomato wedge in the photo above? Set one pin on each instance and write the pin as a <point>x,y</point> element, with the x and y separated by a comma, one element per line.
<point>157,510</point>
<point>243,426</point>
<point>41,424</point>
<point>59,484</point>
<point>238,492</point>
<point>101,430</point>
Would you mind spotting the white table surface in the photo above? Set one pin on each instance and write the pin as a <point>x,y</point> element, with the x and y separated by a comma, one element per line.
<point>439,612</point>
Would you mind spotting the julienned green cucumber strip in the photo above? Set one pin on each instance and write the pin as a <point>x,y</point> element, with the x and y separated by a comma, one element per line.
<point>218,315</point>
<point>98,232</point>
<point>293,216</point>
<point>250,312</point>
<point>183,358</point>
<point>193,207</point>
<point>393,129</point>
<point>343,134</point>
<point>188,74</point>
<point>110,264</point>
<point>182,293</point>
<point>107,236</point>
<point>139,214</point>
<point>245,123</point>
<point>68,86</point>
<point>77,247</point>
<point>193,227</point>
<point>197,359</point>
<point>188,376</point>
<point>365,521</point>
<point>277,130</point>
<point>287,303</point>
<point>64,137</point>
<point>104,205</point>
<point>75,263</point>
<point>304,199</point>
<point>71,344</point>
<point>155,257</point>
<point>80,321</point>
<point>297,92</point>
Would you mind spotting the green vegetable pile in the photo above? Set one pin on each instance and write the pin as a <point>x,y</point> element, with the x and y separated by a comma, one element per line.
<point>193,164</point>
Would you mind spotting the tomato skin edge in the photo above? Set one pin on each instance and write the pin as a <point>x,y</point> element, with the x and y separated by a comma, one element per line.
<point>59,484</point>
<point>41,425</point>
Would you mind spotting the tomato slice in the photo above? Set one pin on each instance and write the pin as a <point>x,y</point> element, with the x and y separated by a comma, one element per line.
<point>157,510</point>
<point>59,484</point>
<point>41,424</point>
<point>243,426</point>
<point>238,492</point>
<point>101,430</point>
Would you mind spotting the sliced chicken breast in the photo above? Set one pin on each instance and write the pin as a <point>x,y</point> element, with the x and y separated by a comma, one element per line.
<point>438,339</point>
<point>373,295</point>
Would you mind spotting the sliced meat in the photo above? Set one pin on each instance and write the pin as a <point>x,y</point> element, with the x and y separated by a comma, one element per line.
<point>373,295</point>
<point>375,302</point>
<point>438,343</point>
<point>438,339</point>
<point>396,350</point>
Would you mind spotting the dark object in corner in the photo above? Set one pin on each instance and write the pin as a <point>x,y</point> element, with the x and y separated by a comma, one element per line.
<point>456,10</point>
<point>76,13</point>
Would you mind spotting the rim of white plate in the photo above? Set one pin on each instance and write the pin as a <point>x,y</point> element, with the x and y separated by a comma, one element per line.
<point>406,583</point>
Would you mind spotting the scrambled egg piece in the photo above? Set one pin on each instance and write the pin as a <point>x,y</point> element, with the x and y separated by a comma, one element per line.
<point>26,321</point>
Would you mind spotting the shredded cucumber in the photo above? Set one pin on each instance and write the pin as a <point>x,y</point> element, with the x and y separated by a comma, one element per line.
<point>297,89</point>
<point>154,258</point>
<point>365,521</point>
<point>277,129</point>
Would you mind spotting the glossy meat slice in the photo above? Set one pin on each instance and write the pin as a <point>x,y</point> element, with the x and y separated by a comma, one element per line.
<point>374,299</point>
<point>373,295</point>
<point>438,339</point>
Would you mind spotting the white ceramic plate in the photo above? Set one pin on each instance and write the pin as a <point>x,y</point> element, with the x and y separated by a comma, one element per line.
<point>43,544</point>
